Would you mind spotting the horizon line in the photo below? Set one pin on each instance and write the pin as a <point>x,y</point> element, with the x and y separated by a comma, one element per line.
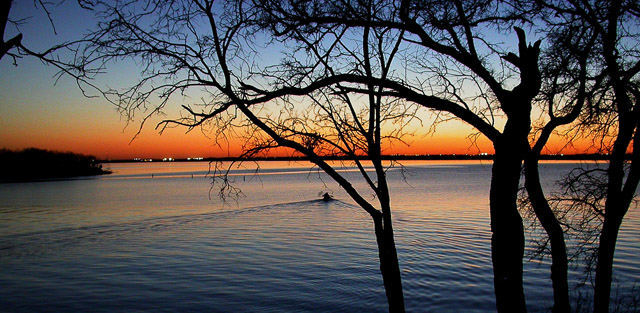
<point>390,157</point>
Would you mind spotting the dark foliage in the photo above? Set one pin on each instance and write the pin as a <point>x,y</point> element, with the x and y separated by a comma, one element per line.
<point>34,164</point>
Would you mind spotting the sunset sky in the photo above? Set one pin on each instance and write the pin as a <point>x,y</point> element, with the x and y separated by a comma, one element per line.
<point>36,110</point>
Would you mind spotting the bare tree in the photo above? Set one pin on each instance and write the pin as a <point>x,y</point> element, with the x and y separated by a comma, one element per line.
<point>212,51</point>
<point>567,86</point>
<point>450,51</point>
<point>337,85</point>
<point>453,46</point>
<point>623,65</point>
<point>599,199</point>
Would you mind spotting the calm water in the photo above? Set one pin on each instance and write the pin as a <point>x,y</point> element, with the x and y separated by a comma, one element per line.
<point>156,237</point>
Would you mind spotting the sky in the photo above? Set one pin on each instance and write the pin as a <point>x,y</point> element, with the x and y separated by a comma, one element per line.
<point>38,110</point>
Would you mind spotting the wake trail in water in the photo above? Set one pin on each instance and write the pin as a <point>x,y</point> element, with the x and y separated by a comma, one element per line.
<point>15,244</point>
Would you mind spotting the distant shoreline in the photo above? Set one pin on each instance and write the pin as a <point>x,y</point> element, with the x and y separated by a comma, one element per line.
<point>34,164</point>
<point>439,157</point>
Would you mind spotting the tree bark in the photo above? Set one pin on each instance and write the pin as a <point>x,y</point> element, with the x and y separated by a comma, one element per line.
<point>507,240</point>
<point>389,266</point>
<point>551,225</point>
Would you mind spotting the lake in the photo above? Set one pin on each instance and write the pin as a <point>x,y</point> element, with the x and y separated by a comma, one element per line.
<point>156,237</point>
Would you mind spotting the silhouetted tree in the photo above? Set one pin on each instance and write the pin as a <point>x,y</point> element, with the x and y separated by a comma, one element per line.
<point>216,51</point>
<point>336,84</point>
<point>453,63</point>
<point>445,46</point>
<point>567,85</point>
<point>451,47</point>
<point>610,119</point>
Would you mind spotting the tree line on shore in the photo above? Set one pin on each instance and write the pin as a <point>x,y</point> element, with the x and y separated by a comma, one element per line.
<point>33,164</point>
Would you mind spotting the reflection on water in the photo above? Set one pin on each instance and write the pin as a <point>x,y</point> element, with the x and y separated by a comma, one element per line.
<point>133,242</point>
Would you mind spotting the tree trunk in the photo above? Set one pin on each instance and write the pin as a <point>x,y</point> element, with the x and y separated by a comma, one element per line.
<point>604,268</point>
<point>389,266</point>
<point>619,197</point>
<point>507,240</point>
<point>548,220</point>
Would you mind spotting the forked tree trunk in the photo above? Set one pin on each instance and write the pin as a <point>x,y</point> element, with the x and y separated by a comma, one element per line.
<point>551,225</point>
<point>389,266</point>
<point>507,240</point>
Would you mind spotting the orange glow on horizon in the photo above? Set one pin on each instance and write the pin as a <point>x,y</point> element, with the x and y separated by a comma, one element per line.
<point>114,144</point>
<point>39,111</point>
<point>63,120</point>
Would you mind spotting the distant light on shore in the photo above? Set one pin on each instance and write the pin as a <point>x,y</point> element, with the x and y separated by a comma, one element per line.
<point>142,160</point>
